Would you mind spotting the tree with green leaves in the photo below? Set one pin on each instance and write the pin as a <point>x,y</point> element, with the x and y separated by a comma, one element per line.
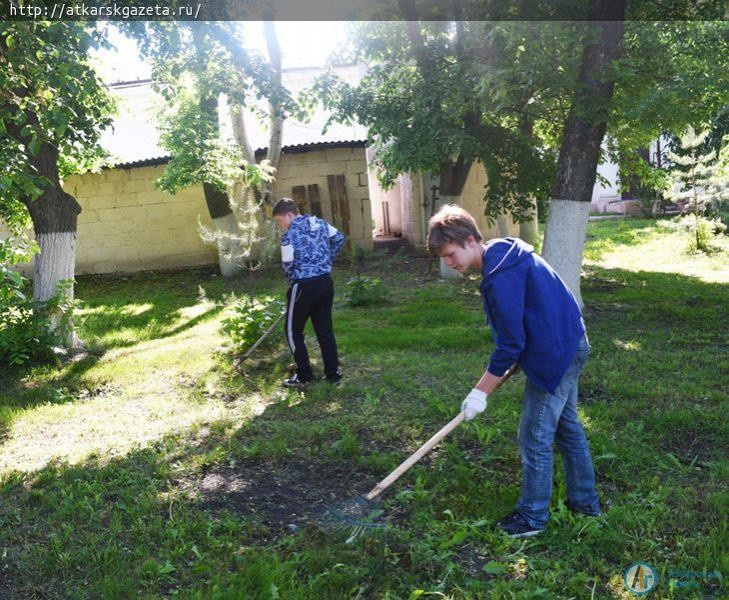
<point>194,65</point>
<point>439,96</point>
<point>638,79</point>
<point>53,108</point>
<point>697,183</point>
<point>533,101</point>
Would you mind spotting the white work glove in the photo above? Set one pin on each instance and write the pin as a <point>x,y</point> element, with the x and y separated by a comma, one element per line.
<point>474,404</point>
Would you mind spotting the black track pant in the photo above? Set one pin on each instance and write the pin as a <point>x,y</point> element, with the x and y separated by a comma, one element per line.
<point>311,298</point>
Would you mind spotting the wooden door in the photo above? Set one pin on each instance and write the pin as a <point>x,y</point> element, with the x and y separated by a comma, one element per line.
<point>307,199</point>
<point>340,202</point>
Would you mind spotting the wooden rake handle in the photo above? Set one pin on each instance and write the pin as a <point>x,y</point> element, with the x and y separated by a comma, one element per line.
<point>377,491</point>
<point>263,337</point>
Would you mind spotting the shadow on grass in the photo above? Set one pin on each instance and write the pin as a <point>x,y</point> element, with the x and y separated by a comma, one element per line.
<point>155,323</point>
<point>138,526</point>
<point>19,394</point>
<point>205,514</point>
<point>148,305</point>
<point>212,509</point>
<point>670,299</point>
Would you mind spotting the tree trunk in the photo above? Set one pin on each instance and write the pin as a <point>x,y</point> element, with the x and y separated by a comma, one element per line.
<point>240,134</point>
<point>564,237</point>
<point>503,222</point>
<point>277,119</point>
<point>529,229</point>
<point>225,227</point>
<point>223,219</point>
<point>275,141</point>
<point>54,214</point>
<point>452,179</point>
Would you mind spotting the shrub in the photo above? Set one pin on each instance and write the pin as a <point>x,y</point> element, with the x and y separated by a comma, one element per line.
<point>719,212</point>
<point>25,332</point>
<point>364,291</point>
<point>702,231</point>
<point>249,319</point>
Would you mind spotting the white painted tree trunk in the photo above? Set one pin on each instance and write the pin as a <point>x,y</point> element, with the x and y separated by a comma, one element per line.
<point>226,231</point>
<point>56,262</point>
<point>503,222</point>
<point>529,230</point>
<point>564,240</point>
<point>240,134</point>
<point>276,121</point>
<point>445,271</point>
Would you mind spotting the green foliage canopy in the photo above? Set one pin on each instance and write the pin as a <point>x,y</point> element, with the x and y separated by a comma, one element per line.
<point>672,75</point>
<point>501,93</point>
<point>193,64</point>
<point>50,95</point>
<point>472,91</point>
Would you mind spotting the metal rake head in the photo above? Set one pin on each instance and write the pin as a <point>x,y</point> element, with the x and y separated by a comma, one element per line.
<point>358,517</point>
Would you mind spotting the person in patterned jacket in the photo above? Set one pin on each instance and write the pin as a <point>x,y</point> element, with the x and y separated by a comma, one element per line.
<point>309,245</point>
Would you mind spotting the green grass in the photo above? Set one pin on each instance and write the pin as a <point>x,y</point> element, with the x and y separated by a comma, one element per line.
<point>149,467</point>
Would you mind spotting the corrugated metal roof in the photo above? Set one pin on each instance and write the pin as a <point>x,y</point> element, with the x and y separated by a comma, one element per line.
<point>162,160</point>
<point>147,162</point>
<point>316,146</point>
<point>133,140</point>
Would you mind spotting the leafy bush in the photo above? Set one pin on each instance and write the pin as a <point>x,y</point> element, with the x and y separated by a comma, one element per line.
<point>13,251</point>
<point>702,231</point>
<point>249,319</point>
<point>25,332</point>
<point>719,212</point>
<point>365,291</point>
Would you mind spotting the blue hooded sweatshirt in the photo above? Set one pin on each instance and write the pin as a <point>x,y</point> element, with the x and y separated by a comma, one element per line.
<point>534,317</point>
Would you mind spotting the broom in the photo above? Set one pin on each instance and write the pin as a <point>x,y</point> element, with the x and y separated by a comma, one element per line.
<point>360,514</point>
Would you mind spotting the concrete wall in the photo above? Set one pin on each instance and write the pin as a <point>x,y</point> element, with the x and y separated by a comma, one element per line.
<point>306,168</point>
<point>129,225</point>
<point>473,202</point>
<point>126,224</point>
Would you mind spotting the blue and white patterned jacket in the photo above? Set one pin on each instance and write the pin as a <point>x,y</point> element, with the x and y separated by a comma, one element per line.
<point>309,247</point>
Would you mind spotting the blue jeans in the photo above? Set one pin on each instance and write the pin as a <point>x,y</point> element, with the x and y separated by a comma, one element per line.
<point>552,418</point>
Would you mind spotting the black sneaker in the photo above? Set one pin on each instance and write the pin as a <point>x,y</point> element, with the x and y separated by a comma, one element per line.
<point>516,526</point>
<point>336,378</point>
<point>581,511</point>
<point>295,381</point>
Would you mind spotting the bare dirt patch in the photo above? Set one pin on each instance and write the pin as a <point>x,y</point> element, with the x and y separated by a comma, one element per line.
<point>282,496</point>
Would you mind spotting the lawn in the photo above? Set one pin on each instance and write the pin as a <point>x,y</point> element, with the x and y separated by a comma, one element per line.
<point>150,467</point>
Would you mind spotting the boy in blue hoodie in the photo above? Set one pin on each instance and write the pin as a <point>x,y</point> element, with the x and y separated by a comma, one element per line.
<point>536,323</point>
<point>309,245</point>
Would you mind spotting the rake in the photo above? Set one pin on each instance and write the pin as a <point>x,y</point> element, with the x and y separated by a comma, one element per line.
<point>259,341</point>
<point>361,514</point>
